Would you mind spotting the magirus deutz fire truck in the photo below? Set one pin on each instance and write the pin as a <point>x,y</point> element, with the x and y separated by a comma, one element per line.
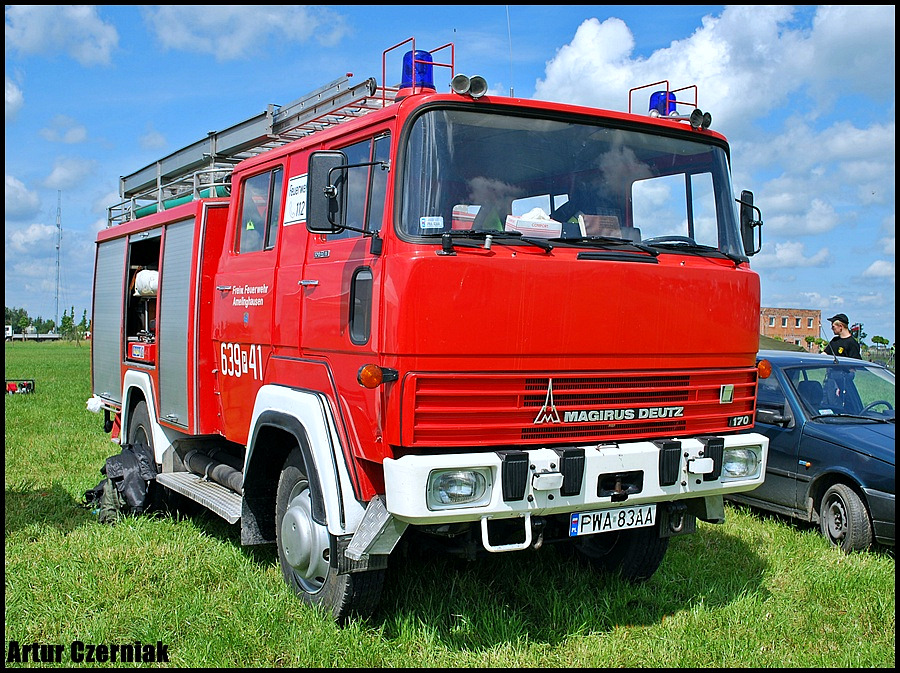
<point>383,314</point>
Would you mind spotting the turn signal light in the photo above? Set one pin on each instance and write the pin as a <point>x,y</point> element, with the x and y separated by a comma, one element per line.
<point>764,369</point>
<point>372,376</point>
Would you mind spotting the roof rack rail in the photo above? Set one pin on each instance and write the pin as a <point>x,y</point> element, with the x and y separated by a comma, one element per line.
<point>203,169</point>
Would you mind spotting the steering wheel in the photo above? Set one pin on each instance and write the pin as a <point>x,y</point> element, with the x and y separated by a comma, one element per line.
<point>872,405</point>
<point>670,239</point>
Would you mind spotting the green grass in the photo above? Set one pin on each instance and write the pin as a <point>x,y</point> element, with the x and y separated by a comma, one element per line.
<point>755,591</point>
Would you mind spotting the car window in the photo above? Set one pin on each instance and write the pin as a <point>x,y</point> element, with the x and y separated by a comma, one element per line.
<point>835,389</point>
<point>770,395</point>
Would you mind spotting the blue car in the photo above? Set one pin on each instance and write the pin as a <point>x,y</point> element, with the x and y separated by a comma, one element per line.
<point>830,424</point>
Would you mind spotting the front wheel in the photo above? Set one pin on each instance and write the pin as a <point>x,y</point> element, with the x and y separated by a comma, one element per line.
<point>844,519</point>
<point>304,548</point>
<point>633,554</point>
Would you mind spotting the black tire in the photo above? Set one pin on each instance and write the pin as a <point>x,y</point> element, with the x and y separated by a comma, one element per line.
<point>139,429</point>
<point>844,519</point>
<point>632,554</point>
<point>141,432</point>
<point>304,548</point>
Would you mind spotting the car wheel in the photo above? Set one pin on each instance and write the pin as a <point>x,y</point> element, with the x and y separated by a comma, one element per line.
<point>632,554</point>
<point>304,546</point>
<point>844,520</point>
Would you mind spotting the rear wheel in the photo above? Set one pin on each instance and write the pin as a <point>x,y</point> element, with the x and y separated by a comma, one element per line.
<point>139,431</point>
<point>844,520</point>
<point>304,548</point>
<point>632,554</point>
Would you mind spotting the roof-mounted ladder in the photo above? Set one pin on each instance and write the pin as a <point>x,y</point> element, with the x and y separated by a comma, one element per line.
<point>203,168</point>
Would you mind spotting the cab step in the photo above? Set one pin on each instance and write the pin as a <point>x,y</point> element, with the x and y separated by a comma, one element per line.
<point>219,499</point>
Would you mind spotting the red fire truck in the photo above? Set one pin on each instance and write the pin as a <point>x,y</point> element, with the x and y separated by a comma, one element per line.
<point>383,313</point>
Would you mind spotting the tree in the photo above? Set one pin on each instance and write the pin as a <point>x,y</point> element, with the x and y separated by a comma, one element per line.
<point>67,326</point>
<point>880,340</point>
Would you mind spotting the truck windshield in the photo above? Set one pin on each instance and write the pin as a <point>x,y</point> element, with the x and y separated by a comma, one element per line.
<point>565,181</point>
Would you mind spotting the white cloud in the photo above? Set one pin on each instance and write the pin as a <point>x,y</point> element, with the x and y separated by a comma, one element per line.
<point>745,62</point>
<point>879,269</point>
<point>76,30</point>
<point>234,31</point>
<point>152,139</point>
<point>790,254</point>
<point>21,202</point>
<point>14,99</point>
<point>64,129</point>
<point>69,172</point>
<point>31,240</point>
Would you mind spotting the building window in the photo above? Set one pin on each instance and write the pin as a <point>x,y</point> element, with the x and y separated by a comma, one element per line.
<point>797,322</point>
<point>771,321</point>
<point>809,323</point>
<point>784,322</point>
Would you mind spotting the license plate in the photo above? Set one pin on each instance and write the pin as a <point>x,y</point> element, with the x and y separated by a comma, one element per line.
<point>620,518</point>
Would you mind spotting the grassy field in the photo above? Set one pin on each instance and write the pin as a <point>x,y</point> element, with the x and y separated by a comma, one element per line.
<point>757,591</point>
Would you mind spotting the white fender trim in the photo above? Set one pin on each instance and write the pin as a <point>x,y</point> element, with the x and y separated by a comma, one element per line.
<point>163,437</point>
<point>343,511</point>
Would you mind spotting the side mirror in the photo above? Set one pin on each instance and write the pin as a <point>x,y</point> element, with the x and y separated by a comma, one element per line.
<point>751,219</point>
<point>771,417</point>
<point>326,191</point>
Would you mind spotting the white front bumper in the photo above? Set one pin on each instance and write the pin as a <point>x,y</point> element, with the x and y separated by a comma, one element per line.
<point>406,479</point>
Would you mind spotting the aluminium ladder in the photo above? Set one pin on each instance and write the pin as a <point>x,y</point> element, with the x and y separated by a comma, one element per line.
<point>204,168</point>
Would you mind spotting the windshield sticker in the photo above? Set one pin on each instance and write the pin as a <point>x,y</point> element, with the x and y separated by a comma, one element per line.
<point>431,222</point>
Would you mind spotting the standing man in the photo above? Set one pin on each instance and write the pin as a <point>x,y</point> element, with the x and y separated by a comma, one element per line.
<point>843,343</point>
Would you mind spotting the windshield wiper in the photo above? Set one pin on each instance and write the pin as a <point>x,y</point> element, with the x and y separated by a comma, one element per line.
<point>694,247</point>
<point>606,241</point>
<point>862,418</point>
<point>495,235</point>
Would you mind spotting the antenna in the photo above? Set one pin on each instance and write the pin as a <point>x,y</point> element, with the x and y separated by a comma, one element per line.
<point>509,34</point>
<point>58,243</point>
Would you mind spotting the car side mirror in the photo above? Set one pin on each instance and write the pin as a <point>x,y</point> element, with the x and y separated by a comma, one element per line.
<point>326,192</point>
<point>772,417</point>
<point>751,219</point>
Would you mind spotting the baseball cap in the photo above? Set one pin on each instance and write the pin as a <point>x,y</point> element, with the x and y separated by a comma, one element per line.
<point>842,317</point>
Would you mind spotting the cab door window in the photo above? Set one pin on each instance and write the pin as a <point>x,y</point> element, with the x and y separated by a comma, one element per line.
<point>260,212</point>
<point>366,186</point>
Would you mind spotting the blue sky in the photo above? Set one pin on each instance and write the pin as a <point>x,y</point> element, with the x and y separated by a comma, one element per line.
<point>805,95</point>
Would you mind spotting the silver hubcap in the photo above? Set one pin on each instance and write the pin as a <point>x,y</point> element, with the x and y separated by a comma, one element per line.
<point>304,542</point>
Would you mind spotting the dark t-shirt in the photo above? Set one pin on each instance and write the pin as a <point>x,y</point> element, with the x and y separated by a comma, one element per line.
<point>845,347</point>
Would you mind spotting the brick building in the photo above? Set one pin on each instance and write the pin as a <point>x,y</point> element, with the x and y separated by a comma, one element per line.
<point>792,325</point>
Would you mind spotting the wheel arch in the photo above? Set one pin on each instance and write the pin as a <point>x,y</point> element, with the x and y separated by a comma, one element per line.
<point>826,480</point>
<point>284,418</point>
<point>275,435</point>
<point>137,387</point>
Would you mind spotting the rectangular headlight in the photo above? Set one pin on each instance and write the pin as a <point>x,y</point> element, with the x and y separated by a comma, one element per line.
<point>741,462</point>
<point>461,487</point>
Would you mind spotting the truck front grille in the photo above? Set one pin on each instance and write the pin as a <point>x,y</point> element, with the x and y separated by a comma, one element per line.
<point>497,410</point>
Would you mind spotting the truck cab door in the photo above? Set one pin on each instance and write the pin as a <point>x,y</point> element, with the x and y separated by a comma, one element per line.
<point>244,298</point>
<point>342,280</point>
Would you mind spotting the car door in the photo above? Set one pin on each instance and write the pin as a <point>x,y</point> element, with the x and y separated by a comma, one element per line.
<point>780,485</point>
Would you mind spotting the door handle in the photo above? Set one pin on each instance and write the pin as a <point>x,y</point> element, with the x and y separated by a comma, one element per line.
<point>309,283</point>
<point>224,288</point>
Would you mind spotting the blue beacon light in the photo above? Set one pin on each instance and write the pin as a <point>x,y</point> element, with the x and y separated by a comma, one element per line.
<point>659,106</point>
<point>418,72</point>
